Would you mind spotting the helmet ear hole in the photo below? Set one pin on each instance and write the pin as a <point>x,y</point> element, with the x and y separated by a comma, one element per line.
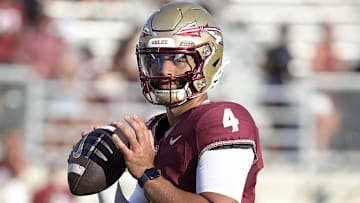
<point>216,62</point>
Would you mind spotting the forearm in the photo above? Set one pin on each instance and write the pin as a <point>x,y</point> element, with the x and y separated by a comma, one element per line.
<point>161,190</point>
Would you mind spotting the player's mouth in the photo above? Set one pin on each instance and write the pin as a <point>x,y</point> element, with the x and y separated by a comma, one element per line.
<point>167,85</point>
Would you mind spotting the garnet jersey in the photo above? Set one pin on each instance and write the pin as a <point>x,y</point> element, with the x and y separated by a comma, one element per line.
<point>206,127</point>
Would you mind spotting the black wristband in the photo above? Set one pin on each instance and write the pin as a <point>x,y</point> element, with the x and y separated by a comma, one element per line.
<point>149,174</point>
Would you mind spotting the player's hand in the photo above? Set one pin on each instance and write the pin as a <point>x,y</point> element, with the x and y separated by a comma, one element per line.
<point>140,156</point>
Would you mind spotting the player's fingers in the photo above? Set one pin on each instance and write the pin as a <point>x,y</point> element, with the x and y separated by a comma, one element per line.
<point>96,127</point>
<point>134,123</point>
<point>151,140</point>
<point>128,134</point>
<point>143,129</point>
<point>140,122</point>
<point>124,149</point>
<point>84,133</point>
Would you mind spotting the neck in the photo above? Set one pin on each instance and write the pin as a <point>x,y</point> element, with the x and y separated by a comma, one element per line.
<point>176,113</point>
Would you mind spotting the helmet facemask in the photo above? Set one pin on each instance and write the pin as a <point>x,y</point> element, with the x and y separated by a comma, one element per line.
<point>160,87</point>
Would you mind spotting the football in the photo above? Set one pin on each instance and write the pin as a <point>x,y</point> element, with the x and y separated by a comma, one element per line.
<point>95,162</point>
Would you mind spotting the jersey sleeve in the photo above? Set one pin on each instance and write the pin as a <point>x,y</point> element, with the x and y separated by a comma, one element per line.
<point>218,172</point>
<point>228,125</point>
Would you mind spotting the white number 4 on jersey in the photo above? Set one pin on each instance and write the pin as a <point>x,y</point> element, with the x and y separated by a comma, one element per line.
<point>229,120</point>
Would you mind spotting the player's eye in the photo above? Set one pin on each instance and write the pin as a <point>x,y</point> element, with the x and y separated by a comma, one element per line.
<point>179,59</point>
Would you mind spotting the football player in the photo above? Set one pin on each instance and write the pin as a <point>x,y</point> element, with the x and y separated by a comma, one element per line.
<point>199,150</point>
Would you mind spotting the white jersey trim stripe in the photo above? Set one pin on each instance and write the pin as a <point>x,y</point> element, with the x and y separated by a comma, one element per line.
<point>229,142</point>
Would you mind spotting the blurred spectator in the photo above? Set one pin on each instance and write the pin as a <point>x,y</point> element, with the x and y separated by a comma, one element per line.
<point>327,120</point>
<point>123,69</point>
<point>55,190</point>
<point>13,189</point>
<point>90,72</point>
<point>325,58</point>
<point>90,66</point>
<point>42,49</point>
<point>328,116</point>
<point>279,95</point>
<point>277,60</point>
<point>14,160</point>
<point>33,9</point>
<point>124,61</point>
<point>276,74</point>
<point>12,20</point>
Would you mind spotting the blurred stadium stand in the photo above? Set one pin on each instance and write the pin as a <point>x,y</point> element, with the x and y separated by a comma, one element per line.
<point>52,114</point>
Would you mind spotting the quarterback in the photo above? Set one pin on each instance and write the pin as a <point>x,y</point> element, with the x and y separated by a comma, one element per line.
<point>199,150</point>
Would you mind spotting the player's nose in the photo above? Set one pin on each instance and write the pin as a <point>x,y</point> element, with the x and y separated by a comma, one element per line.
<point>167,68</point>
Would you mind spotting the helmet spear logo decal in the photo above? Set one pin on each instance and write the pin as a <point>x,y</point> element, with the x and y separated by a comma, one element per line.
<point>194,30</point>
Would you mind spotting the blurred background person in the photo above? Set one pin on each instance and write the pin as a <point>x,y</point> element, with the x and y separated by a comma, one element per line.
<point>276,67</point>
<point>55,189</point>
<point>124,61</point>
<point>12,21</point>
<point>122,74</point>
<point>327,121</point>
<point>278,102</point>
<point>325,58</point>
<point>327,103</point>
<point>13,166</point>
<point>282,104</point>
<point>41,48</point>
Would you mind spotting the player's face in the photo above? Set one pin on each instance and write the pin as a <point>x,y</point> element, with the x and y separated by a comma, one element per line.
<point>169,70</point>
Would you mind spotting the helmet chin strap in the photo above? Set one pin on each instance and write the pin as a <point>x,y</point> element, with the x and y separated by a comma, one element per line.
<point>173,95</point>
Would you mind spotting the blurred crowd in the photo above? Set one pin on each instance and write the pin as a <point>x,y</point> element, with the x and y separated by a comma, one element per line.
<point>29,36</point>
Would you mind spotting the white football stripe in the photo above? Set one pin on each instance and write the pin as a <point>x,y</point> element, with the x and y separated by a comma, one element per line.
<point>76,168</point>
<point>108,127</point>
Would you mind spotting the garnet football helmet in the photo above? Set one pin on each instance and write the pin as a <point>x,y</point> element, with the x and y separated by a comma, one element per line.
<point>179,32</point>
